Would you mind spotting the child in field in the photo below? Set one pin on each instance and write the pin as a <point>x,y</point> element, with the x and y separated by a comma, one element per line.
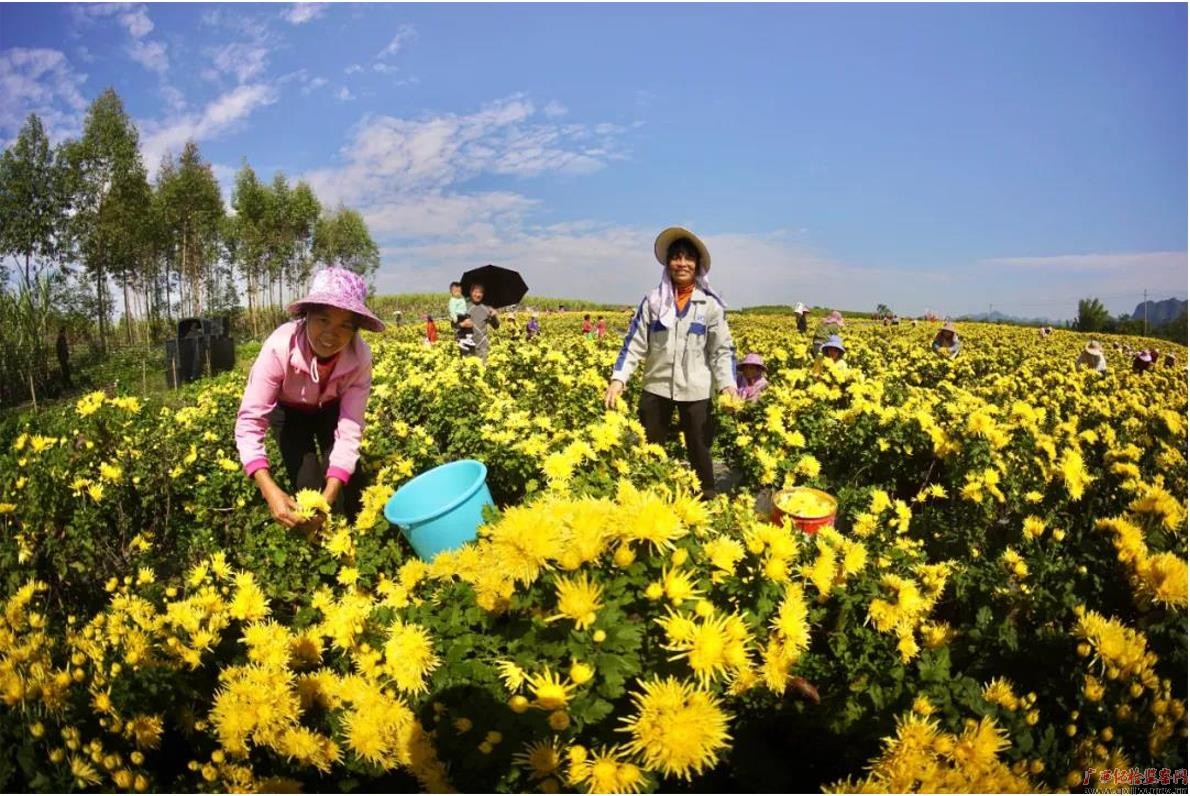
<point>431,330</point>
<point>751,382</point>
<point>587,329</point>
<point>311,383</point>
<point>601,328</point>
<point>533,327</point>
<point>456,311</point>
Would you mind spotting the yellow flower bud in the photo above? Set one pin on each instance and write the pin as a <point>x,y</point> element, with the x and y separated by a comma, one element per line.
<point>518,704</point>
<point>598,636</point>
<point>581,673</point>
<point>559,720</point>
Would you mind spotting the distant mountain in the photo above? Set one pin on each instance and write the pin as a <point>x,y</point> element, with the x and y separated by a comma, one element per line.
<point>995,316</point>
<point>1160,311</point>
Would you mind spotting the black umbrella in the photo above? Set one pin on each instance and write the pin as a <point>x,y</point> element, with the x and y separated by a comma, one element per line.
<point>502,287</point>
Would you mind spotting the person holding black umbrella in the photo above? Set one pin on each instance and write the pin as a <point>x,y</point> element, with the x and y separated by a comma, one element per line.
<point>489,286</point>
<point>680,333</point>
<point>479,317</point>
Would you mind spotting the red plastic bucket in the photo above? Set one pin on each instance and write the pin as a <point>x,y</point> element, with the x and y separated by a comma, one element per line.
<point>804,524</point>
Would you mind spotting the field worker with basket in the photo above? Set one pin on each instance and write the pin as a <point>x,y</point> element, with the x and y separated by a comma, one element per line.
<point>680,333</point>
<point>311,383</point>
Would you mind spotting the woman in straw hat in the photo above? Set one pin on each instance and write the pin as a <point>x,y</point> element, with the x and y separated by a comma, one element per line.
<point>311,381</point>
<point>680,332</point>
<point>1092,357</point>
<point>946,342</point>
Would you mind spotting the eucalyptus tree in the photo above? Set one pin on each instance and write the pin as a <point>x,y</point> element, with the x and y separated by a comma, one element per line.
<point>191,209</point>
<point>110,197</point>
<point>32,203</point>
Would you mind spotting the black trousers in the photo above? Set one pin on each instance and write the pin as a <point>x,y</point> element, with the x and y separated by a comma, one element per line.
<point>697,426</point>
<point>306,439</point>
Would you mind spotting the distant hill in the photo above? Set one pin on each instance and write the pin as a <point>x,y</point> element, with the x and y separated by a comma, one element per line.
<point>995,316</point>
<point>1160,311</point>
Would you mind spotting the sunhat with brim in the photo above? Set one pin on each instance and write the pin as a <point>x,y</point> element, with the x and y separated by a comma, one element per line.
<point>949,327</point>
<point>1144,356</point>
<point>754,359</point>
<point>669,235</point>
<point>800,308</point>
<point>834,341</point>
<point>1093,347</point>
<point>338,287</point>
<point>835,317</point>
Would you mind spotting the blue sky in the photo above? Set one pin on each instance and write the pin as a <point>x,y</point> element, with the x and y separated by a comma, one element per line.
<point>948,157</point>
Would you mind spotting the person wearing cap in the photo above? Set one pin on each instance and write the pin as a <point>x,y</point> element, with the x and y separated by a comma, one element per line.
<point>679,332</point>
<point>311,382</point>
<point>532,327</point>
<point>751,381</point>
<point>831,325</point>
<point>946,342</point>
<point>800,312</point>
<point>1092,357</point>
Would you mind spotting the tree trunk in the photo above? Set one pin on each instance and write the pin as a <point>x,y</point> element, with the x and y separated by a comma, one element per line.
<point>127,308</point>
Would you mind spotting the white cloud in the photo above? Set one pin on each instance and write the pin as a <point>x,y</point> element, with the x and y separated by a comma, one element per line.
<point>554,108</point>
<point>314,84</point>
<point>384,69</point>
<point>300,13</point>
<point>134,17</point>
<point>351,70</point>
<point>243,59</point>
<point>404,35</point>
<point>40,81</point>
<point>344,94</point>
<point>149,54</point>
<point>1124,261</point>
<point>135,20</point>
<point>173,97</point>
<point>219,116</point>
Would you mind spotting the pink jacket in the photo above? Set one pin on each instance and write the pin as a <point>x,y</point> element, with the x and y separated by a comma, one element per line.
<point>284,373</point>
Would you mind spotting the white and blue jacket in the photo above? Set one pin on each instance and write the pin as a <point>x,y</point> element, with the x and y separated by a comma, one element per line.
<point>685,362</point>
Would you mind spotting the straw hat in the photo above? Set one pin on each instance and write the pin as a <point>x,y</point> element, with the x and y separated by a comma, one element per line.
<point>669,235</point>
<point>1093,347</point>
<point>949,327</point>
<point>799,309</point>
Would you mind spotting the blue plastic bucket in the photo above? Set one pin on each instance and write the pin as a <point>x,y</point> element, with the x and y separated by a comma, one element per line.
<point>441,509</point>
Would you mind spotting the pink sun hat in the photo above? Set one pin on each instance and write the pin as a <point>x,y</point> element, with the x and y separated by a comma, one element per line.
<point>754,359</point>
<point>835,317</point>
<point>338,287</point>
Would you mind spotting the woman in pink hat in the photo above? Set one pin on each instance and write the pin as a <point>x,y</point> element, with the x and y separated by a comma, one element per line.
<point>831,326</point>
<point>751,381</point>
<point>311,382</point>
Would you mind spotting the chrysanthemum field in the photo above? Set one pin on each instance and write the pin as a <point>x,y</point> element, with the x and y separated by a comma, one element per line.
<point>1000,607</point>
